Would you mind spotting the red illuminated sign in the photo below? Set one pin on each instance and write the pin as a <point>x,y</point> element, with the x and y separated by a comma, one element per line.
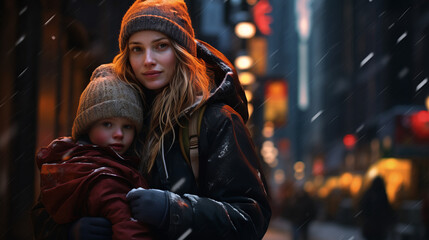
<point>420,124</point>
<point>261,17</point>
<point>349,141</point>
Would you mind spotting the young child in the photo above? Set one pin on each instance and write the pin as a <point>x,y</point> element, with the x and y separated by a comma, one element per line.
<point>90,174</point>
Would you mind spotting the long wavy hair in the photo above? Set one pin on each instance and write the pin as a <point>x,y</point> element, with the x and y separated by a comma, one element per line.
<point>190,82</point>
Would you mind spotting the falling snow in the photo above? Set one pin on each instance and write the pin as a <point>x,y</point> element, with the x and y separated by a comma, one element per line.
<point>50,19</point>
<point>23,10</point>
<point>420,40</point>
<point>360,128</point>
<point>185,234</point>
<point>401,37</point>
<point>22,73</point>
<point>275,66</point>
<point>20,40</point>
<point>366,59</point>
<point>316,116</point>
<point>402,15</point>
<point>421,84</point>
<point>274,53</point>
<point>4,101</point>
<point>178,184</point>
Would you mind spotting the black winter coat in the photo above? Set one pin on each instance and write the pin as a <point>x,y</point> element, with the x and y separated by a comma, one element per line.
<point>229,201</point>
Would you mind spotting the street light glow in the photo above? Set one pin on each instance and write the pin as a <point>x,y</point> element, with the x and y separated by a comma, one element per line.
<point>245,30</point>
<point>303,12</point>
<point>243,62</point>
<point>304,27</point>
<point>250,109</point>
<point>249,95</point>
<point>246,78</point>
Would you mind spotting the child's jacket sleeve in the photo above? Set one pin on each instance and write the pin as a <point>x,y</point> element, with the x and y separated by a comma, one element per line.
<point>88,183</point>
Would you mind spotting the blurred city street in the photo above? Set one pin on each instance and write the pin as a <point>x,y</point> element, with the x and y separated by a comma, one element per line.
<point>337,96</point>
<point>280,229</point>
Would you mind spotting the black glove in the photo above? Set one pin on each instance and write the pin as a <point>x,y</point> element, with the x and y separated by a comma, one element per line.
<point>149,206</point>
<point>96,228</point>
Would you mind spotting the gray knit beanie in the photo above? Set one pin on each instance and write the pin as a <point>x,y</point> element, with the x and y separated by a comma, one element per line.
<point>167,16</point>
<point>106,96</point>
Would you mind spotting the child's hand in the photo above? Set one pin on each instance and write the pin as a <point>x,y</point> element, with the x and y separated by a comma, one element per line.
<point>87,228</point>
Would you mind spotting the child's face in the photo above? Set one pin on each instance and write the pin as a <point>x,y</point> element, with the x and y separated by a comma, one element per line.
<point>117,133</point>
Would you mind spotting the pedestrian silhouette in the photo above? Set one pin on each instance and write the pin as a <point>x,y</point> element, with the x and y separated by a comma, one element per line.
<point>377,214</point>
<point>301,211</point>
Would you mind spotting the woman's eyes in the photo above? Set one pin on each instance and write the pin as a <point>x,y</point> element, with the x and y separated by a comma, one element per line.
<point>135,49</point>
<point>162,45</point>
<point>158,46</point>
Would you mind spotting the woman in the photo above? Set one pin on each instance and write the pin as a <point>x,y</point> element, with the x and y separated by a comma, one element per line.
<point>178,75</point>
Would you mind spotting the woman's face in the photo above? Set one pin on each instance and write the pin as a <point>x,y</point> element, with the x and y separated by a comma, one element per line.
<point>152,59</point>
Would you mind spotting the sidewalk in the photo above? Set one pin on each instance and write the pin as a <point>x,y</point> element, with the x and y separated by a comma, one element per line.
<point>280,229</point>
<point>333,231</point>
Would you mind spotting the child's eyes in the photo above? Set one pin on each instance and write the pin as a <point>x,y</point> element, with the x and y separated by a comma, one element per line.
<point>128,126</point>
<point>106,124</point>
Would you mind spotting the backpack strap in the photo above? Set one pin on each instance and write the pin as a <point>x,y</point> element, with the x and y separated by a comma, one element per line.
<point>188,138</point>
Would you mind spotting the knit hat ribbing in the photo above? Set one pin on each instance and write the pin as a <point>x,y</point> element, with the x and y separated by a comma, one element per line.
<point>167,16</point>
<point>106,96</point>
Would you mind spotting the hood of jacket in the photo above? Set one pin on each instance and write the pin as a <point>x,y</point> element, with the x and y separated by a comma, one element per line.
<point>68,170</point>
<point>228,89</point>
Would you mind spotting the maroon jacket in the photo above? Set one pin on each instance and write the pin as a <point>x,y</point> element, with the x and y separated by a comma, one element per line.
<point>79,180</point>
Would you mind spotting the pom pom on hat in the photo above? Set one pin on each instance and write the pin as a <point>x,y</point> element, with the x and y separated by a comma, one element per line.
<point>106,96</point>
<point>167,16</point>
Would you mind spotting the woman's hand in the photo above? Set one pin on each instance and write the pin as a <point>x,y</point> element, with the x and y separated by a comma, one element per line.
<point>94,228</point>
<point>149,206</point>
